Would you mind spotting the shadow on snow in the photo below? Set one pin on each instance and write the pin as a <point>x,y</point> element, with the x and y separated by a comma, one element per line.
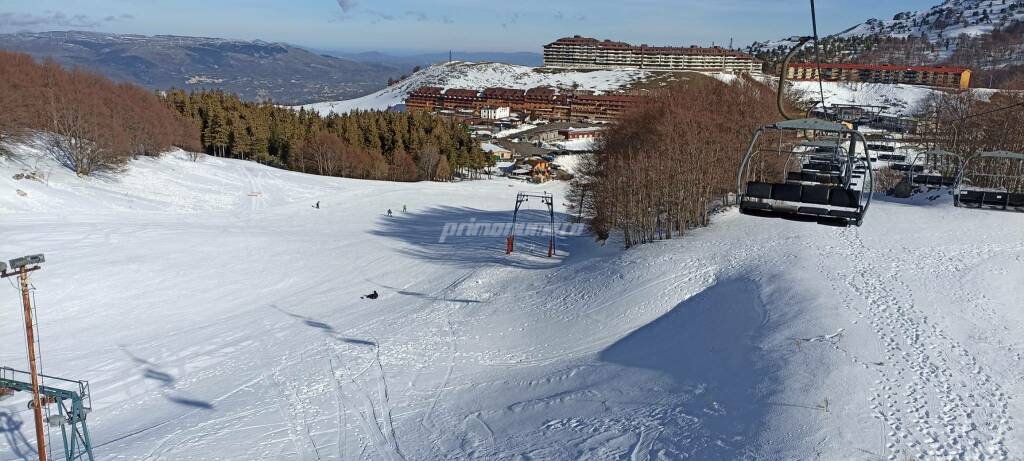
<point>709,345</point>
<point>425,235</point>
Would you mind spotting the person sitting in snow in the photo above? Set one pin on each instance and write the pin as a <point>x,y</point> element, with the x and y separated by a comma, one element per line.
<point>373,295</point>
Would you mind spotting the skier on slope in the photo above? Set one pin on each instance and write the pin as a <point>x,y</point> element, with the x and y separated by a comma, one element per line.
<point>373,295</point>
<point>317,206</point>
<point>389,212</point>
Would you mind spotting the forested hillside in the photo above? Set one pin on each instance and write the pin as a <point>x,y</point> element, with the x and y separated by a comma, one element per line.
<point>86,122</point>
<point>90,124</point>
<point>397,146</point>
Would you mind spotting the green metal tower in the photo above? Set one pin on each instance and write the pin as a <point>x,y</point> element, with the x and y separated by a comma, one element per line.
<point>70,398</point>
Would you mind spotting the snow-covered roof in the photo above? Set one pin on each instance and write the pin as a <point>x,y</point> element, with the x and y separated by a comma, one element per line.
<point>492,148</point>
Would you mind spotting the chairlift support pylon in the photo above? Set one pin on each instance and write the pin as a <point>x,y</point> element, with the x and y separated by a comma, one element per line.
<point>837,201</point>
<point>549,201</point>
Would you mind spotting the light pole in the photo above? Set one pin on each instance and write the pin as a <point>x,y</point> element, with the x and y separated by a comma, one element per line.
<point>20,268</point>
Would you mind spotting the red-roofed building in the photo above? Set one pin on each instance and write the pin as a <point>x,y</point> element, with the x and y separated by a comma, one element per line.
<point>496,103</point>
<point>952,77</point>
<point>424,98</point>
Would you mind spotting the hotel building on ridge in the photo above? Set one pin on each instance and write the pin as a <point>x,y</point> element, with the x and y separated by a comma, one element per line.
<point>589,53</point>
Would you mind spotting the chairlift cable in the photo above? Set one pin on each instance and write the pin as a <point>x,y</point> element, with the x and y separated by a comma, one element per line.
<point>817,54</point>
<point>991,111</point>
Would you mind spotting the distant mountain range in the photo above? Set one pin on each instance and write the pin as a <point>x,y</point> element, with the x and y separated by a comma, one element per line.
<point>256,70</point>
<point>407,63</point>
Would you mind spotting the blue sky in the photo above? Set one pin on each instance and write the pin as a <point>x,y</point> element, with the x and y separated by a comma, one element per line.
<point>465,25</point>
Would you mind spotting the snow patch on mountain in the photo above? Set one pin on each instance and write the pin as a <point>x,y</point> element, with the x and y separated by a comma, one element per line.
<point>950,19</point>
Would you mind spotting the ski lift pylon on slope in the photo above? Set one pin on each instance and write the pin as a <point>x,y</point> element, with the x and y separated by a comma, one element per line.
<point>836,192</point>
<point>993,180</point>
<point>548,201</point>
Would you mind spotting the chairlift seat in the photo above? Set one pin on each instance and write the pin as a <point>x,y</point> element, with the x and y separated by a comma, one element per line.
<point>786,192</point>
<point>844,198</point>
<point>971,197</point>
<point>815,194</point>
<point>761,190</point>
<point>995,199</point>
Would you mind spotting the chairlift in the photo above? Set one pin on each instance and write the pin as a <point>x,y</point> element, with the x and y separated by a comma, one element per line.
<point>884,148</point>
<point>840,200</point>
<point>934,168</point>
<point>854,114</point>
<point>991,180</point>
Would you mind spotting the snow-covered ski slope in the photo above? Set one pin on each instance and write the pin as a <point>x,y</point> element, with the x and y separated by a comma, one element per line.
<point>217,316</point>
<point>470,75</point>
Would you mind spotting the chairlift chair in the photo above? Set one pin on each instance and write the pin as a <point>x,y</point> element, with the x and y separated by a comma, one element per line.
<point>992,180</point>
<point>841,203</point>
<point>934,168</point>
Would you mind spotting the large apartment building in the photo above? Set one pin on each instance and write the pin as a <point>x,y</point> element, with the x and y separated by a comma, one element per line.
<point>589,53</point>
<point>540,102</point>
<point>953,77</point>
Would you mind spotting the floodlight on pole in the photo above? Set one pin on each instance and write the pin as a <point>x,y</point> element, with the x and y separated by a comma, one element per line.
<point>20,268</point>
<point>18,263</point>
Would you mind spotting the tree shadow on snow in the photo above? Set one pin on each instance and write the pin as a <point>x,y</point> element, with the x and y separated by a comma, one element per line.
<point>435,235</point>
<point>709,346</point>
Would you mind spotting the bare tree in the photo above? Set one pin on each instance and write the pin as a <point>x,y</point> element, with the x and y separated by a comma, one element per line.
<point>664,167</point>
<point>325,151</point>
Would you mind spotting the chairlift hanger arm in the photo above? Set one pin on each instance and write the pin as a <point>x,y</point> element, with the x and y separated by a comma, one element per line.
<point>780,100</point>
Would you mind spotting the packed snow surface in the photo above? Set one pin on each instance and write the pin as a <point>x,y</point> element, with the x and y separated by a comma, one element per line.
<point>217,315</point>
<point>471,75</point>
